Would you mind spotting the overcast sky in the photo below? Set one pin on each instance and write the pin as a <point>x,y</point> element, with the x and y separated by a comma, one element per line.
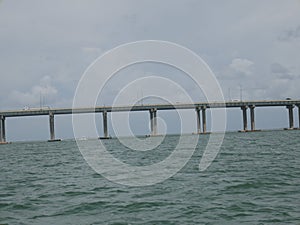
<point>45,46</point>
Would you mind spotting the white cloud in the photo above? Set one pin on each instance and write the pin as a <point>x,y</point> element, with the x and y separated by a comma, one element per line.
<point>44,93</point>
<point>241,66</point>
<point>92,50</point>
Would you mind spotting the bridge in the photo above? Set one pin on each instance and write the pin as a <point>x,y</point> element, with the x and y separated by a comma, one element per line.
<point>200,108</point>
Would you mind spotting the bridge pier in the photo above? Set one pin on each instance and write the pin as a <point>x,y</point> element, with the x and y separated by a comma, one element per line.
<point>245,122</point>
<point>153,121</point>
<point>198,120</point>
<point>52,131</point>
<point>204,119</point>
<point>252,117</point>
<point>51,122</point>
<point>105,127</point>
<point>298,116</point>
<point>2,130</point>
<point>291,116</point>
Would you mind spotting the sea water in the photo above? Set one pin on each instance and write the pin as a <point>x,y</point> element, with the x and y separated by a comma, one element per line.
<point>255,179</point>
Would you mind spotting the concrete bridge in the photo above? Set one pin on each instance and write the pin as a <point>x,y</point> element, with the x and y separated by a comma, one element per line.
<point>200,109</point>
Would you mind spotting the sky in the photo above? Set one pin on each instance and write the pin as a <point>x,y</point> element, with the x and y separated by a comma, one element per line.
<point>45,46</point>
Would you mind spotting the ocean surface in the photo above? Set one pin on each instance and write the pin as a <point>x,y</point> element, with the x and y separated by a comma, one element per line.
<point>255,179</point>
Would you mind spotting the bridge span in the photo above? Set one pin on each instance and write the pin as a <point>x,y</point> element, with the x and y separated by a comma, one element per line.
<point>153,108</point>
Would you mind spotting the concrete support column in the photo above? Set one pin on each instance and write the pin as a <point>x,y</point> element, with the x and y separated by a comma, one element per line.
<point>252,117</point>
<point>204,119</point>
<point>291,116</point>
<point>299,116</point>
<point>2,129</point>
<point>198,120</point>
<point>51,123</point>
<point>245,122</point>
<point>105,131</point>
<point>153,121</point>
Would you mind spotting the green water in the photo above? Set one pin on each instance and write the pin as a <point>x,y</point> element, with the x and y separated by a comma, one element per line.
<point>255,179</point>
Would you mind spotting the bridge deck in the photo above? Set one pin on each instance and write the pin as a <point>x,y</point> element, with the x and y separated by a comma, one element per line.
<point>230,104</point>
